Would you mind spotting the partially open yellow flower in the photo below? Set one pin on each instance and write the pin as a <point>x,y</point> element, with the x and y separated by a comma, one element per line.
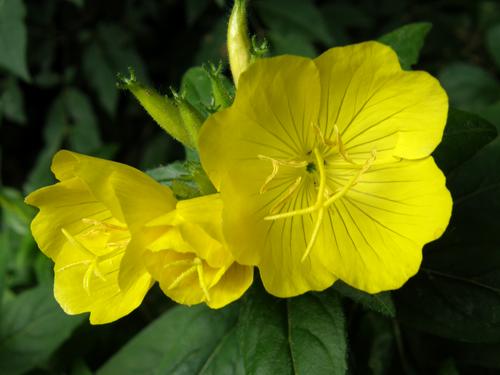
<point>324,170</point>
<point>91,225</point>
<point>191,260</point>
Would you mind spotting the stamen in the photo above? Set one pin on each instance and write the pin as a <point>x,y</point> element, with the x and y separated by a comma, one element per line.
<point>73,241</point>
<point>323,199</point>
<point>182,277</point>
<point>103,225</point>
<point>284,198</point>
<point>321,191</point>
<point>201,278</point>
<point>276,164</point>
<point>183,262</point>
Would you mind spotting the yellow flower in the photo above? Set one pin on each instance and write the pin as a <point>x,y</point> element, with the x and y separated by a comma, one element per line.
<point>91,224</point>
<point>324,170</point>
<point>191,260</point>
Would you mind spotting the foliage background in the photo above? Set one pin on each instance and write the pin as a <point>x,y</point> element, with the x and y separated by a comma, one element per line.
<point>58,64</point>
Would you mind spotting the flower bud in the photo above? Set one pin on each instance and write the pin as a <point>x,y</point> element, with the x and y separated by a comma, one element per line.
<point>238,43</point>
<point>162,109</point>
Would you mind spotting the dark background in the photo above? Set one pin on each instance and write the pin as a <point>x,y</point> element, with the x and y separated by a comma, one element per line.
<point>58,91</point>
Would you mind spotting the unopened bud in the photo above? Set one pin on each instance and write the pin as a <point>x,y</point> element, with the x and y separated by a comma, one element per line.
<point>238,43</point>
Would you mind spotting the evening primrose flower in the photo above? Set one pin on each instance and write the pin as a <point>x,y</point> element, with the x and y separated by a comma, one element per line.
<point>91,224</point>
<point>325,172</point>
<point>191,260</point>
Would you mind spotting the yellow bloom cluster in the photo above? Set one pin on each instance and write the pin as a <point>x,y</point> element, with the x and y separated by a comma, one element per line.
<point>112,230</point>
<point>324,172</point>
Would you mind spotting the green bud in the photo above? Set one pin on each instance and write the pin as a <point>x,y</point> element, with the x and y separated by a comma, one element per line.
<point>259,50</point>
<point>221,96</point>
<point>191,119</point>
<point>238,43</point>
<point>162,109</point>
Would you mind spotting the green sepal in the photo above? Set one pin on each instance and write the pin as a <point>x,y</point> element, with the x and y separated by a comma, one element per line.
<point>222,97</point>
<point>161,108</point>
<point>191,118</point>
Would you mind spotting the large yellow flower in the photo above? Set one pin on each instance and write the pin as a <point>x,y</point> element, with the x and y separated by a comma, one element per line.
<point>325,172</point>
<point>191,260</point>
<point>91,224</point>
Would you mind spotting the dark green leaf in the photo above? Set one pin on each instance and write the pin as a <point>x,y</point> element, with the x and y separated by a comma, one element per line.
<point>184,340</point>
<point>71,116</point>
<point>407,41</point>
<point>32,327</point>
<point>301,335</point>
<point>284,16</point>
<point>380,302</point>
<point>493,43</point>
<point>101,75</point>
<point>197,89</point>
<point>291,43</point>
<point>469,87</point>
<point>13,37</point>
<point>194,9</point>
<point>213,46</point>
<point>226,357</point>
<point>84,133</point>
<point>457,292</point>
<point>464,135</point>
<point>12,102</point>
<point>186,179</point>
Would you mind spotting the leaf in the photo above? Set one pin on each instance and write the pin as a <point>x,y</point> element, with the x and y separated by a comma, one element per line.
<point>32,327</point>
<point>457,292</point>
<point>226,358</point>
<point>407,41</point>
<point>464,135</point>
<point>70,116</point>
<point>194,9</point>
<point>12,103</point>
<point>301,335</point>
<point>13,38</point>
<point>291,43</point>
<point>184,340</point>
<point>469,87</point>
<point>493,43</point>
<point>197,89</point>
<point>84,133</point>
<point>101,76</point>
<point>110,52</point>
<point>187,179</point>
<point>283,16</point>
<point>380,302</point>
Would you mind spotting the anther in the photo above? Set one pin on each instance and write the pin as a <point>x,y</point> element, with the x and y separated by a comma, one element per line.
<point>276,163</point>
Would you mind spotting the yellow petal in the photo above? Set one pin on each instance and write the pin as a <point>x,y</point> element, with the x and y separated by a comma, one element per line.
<point>272,115</point>
<point>376,105</point>
<point>62,205</point>
<point>377,230</point>
<point>233,283</point>
<point>276,247</point>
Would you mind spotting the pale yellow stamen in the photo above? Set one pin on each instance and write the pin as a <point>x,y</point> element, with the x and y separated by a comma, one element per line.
<point>103,225</point>
<point>320,195</point>
<point>276,207</point>
<point>276,163</point>
<point>201,278</point>
<point>93,268</point>
<point>196,266</point>
<point>182,277</point>
<point>323,199</point>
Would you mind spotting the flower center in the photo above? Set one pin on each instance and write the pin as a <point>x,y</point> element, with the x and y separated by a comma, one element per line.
<point>324,199</point>
<point>115,238</point>
<point>194,265</point>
